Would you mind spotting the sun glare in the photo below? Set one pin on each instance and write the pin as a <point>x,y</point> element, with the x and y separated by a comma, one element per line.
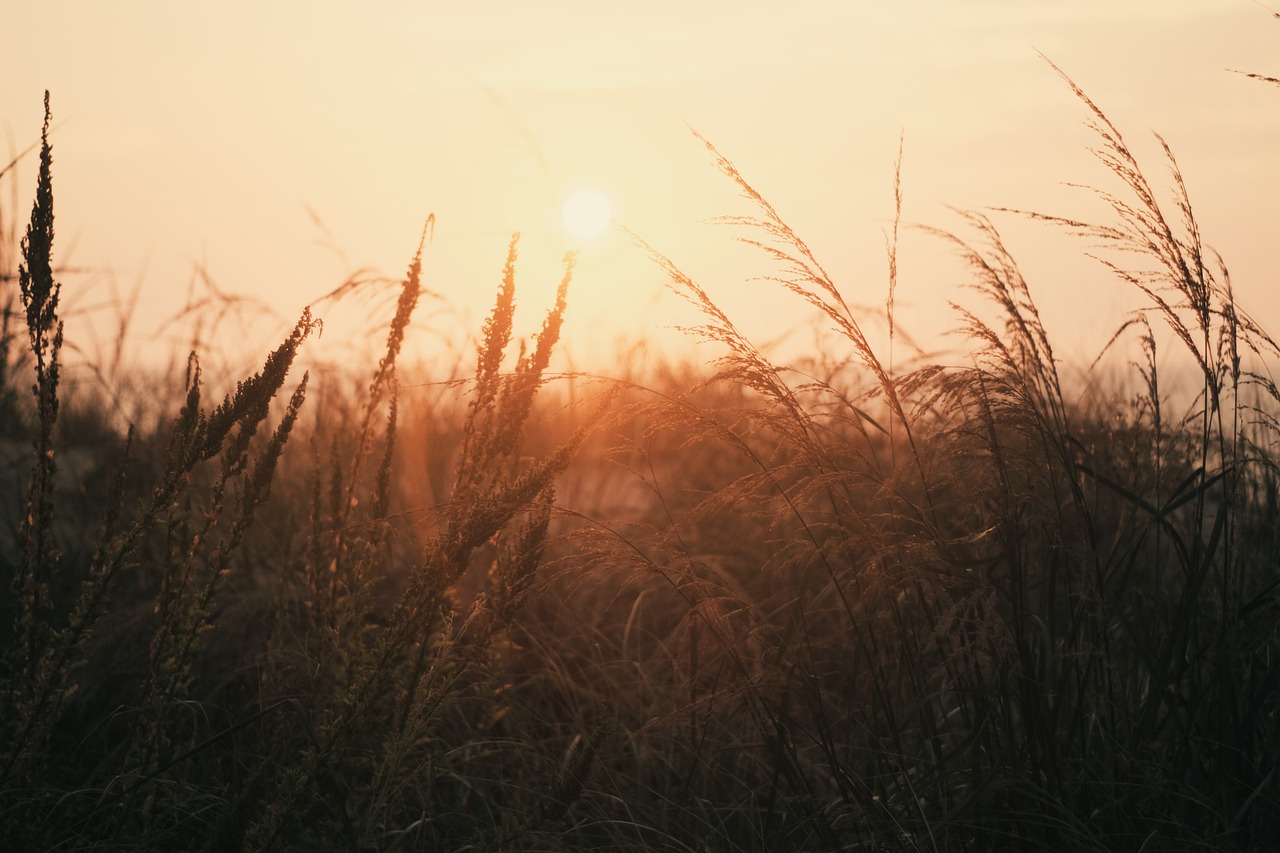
<point>586,214</point>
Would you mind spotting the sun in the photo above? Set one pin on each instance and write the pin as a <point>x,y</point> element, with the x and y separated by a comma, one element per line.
<point>586,214</point>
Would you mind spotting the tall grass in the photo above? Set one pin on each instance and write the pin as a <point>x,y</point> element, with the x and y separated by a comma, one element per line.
<point>355,672</point>
<point>857,603</point>
<point>951,608</point>
<point>1004,619</point>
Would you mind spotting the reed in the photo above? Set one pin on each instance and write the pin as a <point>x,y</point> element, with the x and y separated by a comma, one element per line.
<point>857,602</point>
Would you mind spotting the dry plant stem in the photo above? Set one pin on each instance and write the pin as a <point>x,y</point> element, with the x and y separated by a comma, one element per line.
<point>29,666</point>
<point>805,277</point>
<point>421,659</point>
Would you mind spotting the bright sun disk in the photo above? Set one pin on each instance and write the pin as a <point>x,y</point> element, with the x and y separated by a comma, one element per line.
<point>586,214</point>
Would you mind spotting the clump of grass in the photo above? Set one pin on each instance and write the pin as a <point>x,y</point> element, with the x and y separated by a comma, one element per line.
<point>859,602</point>
<point>202,526</point>
<point>971,611</point>
<point>383,694</point>
<point>390,648</point>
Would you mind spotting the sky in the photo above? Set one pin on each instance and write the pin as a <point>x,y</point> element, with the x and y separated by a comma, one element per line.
<point>276,149</point>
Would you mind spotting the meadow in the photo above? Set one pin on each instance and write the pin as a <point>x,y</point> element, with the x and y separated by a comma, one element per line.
<point>859,601</point>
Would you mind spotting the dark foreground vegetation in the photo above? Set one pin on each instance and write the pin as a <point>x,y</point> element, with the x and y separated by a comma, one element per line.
<point>858,606</point>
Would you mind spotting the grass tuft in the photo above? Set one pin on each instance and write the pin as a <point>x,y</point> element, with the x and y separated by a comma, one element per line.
<point>856,602</point>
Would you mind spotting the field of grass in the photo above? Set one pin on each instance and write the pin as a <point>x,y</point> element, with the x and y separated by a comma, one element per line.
<point>863,602</point>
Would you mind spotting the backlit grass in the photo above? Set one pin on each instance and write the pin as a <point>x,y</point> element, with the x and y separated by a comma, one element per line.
<point>857,603</point>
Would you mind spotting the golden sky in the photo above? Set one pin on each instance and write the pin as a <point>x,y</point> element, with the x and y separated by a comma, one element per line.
<point>209,134</point>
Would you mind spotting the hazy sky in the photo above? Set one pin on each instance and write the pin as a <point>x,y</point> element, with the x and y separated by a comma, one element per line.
<point>209,134</point>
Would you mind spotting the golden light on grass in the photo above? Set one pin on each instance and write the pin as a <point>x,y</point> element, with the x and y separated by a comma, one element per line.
<point>586,214</point>
<point>802,579</point>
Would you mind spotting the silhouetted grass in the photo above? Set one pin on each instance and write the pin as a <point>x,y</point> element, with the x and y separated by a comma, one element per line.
<point>863,603</point>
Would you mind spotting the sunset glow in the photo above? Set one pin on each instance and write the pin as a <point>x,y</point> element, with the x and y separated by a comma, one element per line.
<point>764,427</point>
<point>586,214</point>
<point>216,150</point>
